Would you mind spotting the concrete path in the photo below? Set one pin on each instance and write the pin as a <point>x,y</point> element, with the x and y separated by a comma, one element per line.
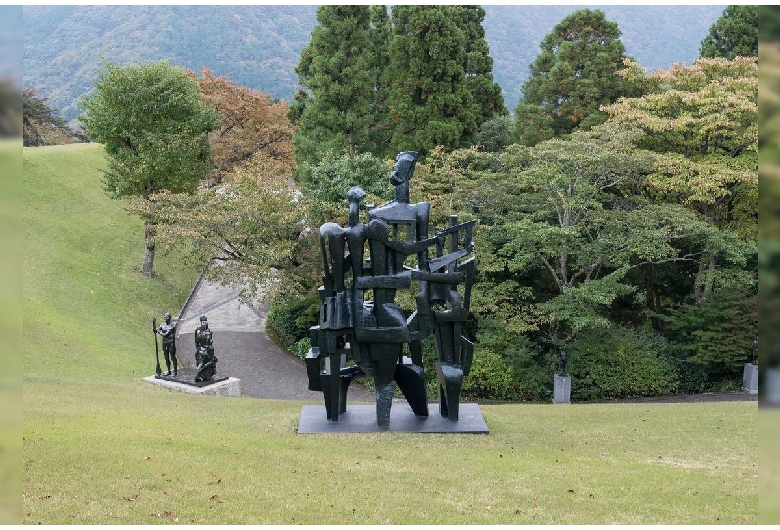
<point>244,349</point>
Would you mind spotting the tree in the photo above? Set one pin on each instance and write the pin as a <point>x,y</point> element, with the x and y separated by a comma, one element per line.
<point>327,183</point>
<point>716,335</point>
<point>339,72</point>
<point>251,122</point>
<point>40,124</point>
<point>441,87</point>
<point>251,225</point>
<point>10,109</point>
<point>769,29</point>
<point>488,96</point>
<point>578,222</point>
<point>154,126</point>
<point>573,76</point>
<point>702,121</point>
<point>562,232</point>
<point>248,217</point>
<point>734,34</point>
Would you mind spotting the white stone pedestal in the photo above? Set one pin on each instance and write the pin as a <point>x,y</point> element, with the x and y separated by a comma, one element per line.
<point>750,378</point>
<point>562,389</point>
<point>230,387</point>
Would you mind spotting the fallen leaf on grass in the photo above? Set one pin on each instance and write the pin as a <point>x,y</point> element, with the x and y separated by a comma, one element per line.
<point>132,498</point>
<point>214,497</point>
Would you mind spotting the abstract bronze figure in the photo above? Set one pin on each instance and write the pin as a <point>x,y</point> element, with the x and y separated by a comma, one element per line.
<point>372,333</point>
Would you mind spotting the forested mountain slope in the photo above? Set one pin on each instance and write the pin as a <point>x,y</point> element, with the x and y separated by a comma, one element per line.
<point>258,46</point>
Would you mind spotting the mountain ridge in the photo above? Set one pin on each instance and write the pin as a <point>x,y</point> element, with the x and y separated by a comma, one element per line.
<point>258,45</point>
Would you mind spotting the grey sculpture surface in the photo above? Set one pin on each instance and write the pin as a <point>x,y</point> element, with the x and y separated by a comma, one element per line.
<point>205,360</point>
<point>363,332</point>
<point>168,332</point>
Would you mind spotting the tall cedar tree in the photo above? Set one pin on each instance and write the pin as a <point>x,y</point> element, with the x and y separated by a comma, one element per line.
<point>574,75</point>
<point>154,125</point>
<point>479,66</point>
<point>339,72</point>
<point>441,87</point>
<point>380,131</point>
<point>734,34</point>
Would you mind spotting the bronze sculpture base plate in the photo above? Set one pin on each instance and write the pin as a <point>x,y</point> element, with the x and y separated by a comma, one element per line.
<point>362,418</point>
<point>187,377</point>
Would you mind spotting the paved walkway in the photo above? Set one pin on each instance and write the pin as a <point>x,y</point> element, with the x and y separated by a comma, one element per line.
<point>243,348</point>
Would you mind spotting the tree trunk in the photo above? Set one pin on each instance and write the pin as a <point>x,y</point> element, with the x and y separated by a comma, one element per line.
<point>150,230</point>
<point>705,278</point>
<point>651,298</point>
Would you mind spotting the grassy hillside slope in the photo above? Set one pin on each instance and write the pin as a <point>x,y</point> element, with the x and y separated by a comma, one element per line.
<point>11,330</point>
<point>102,446</point>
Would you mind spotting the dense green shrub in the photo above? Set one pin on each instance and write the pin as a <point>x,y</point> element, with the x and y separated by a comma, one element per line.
<point>289,320</point>
<point>525,360</point>
<point>618,363</point>
<point>714,339</point>
<point>490,378</point>
<point>533,374</point>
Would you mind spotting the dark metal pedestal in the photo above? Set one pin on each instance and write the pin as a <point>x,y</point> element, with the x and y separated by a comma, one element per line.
<point>362,418</point>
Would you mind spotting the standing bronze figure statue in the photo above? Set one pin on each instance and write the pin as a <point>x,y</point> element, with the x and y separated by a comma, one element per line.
<point>168,332</point>
<point>361,334</point>
<point>205,360</point>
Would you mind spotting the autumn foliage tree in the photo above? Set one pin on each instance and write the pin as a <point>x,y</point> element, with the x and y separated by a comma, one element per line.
<point>251,123</point>
<point>701,121</point>
<point>246,218</point>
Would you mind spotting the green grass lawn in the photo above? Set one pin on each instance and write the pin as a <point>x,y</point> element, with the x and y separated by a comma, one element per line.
<point>102,446</point>
<point>11,330</point>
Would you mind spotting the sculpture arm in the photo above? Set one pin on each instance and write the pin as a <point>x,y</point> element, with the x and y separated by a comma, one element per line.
<point>379,231</point>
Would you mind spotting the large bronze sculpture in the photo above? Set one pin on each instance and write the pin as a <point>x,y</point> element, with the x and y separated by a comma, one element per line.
<point>363,332</point>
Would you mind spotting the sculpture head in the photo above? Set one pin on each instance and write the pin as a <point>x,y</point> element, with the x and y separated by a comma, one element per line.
<point>204,323</point>
<point>355,194</point>
<point>167,318</point>
<point>403,168</point>
<point>402,174</point>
